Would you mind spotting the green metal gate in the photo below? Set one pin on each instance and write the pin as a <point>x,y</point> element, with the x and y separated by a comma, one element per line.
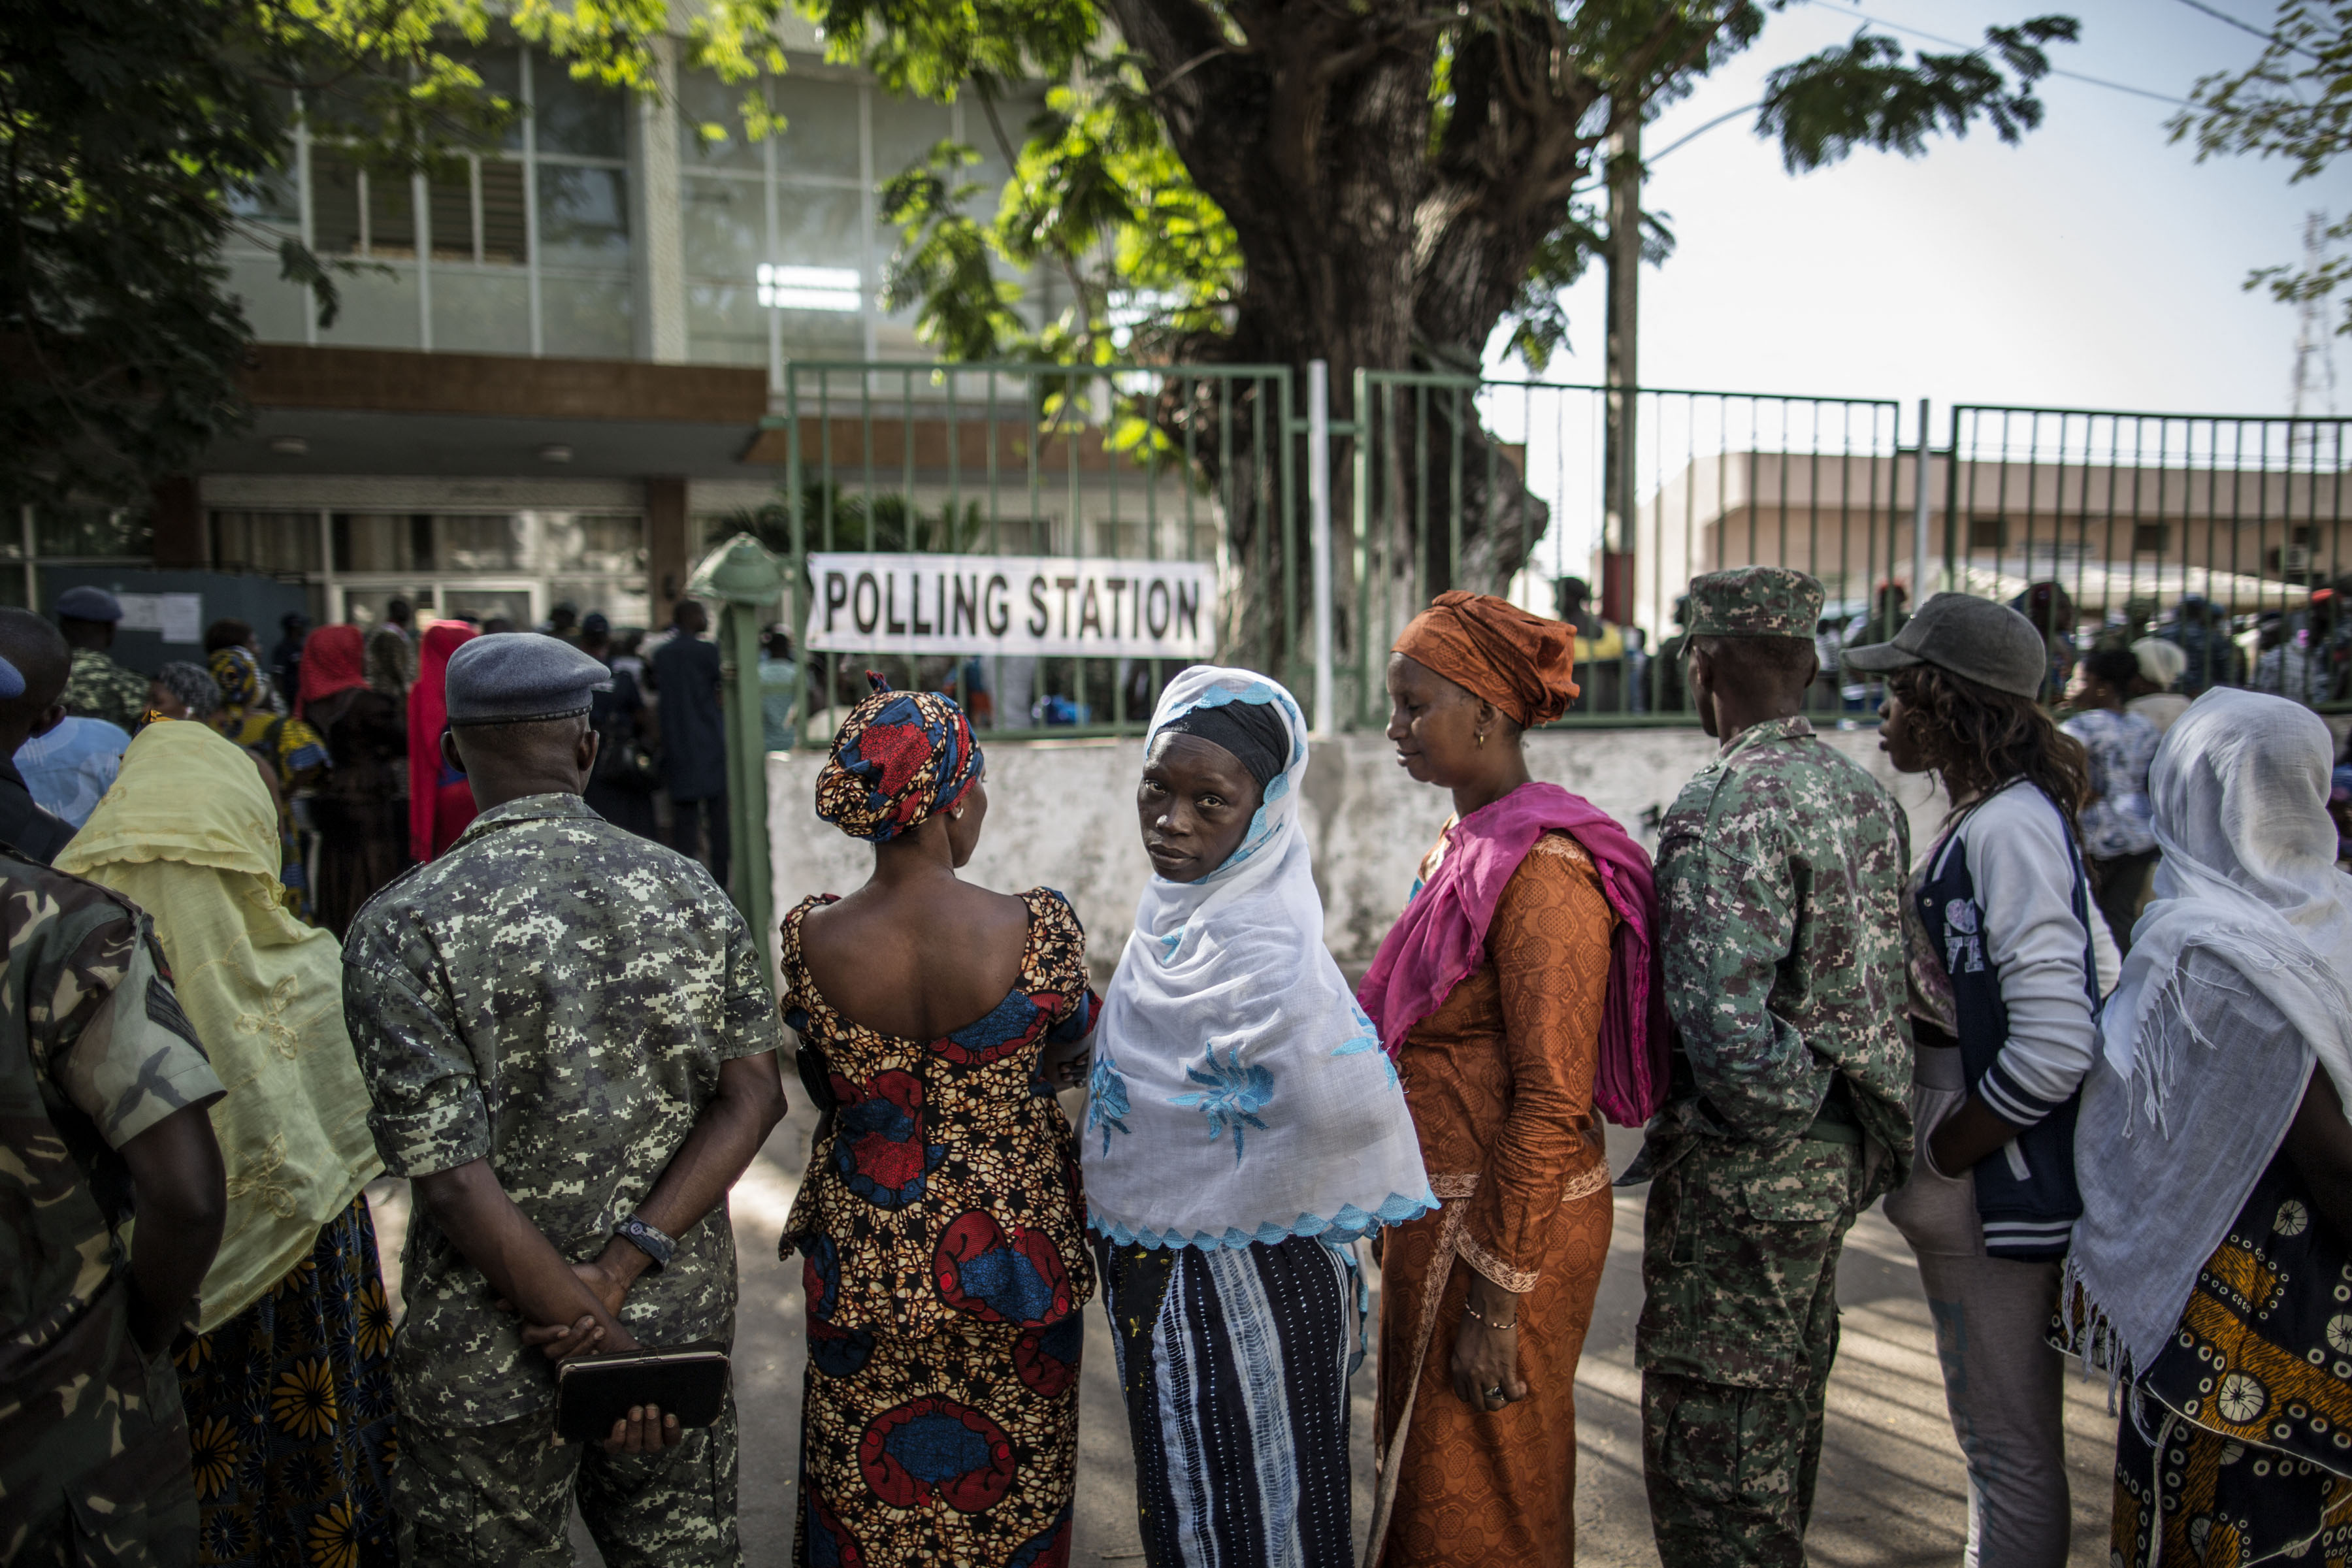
<point>1120,461</point>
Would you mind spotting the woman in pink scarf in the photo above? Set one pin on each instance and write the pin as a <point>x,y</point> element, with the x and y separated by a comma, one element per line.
<point>440,801</point>
<point>1517,993</point>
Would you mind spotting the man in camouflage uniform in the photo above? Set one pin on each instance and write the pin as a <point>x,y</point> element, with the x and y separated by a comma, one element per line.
<point>98,688</point>
<point>102,1096</point>
<point>570,1040</point>
<point>1780,878</point>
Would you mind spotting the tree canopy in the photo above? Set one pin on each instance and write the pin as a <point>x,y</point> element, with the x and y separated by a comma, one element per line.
<point>1267,180</point>
<point>138,135</point>
<point>2294,103</point>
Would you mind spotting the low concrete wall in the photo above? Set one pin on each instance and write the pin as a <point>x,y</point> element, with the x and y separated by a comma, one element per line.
<point>1062,813</point>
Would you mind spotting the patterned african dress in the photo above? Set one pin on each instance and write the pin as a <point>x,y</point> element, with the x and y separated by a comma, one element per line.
<point>291,1421</point>
<point>2236,1447</point>
<point>940,1223</point>
<point>1500,1082</point>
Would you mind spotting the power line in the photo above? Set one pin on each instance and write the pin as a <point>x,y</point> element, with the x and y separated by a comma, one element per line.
<point>2054,70</point>
<point>1692,135</point>
<point>2224,16</point>
<point>1949,43</point>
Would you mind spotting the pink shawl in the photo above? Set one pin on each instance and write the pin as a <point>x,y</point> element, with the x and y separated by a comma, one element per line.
<point>1440,938</point>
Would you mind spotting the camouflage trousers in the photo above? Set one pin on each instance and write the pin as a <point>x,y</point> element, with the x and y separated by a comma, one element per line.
<point>1738,1334</point>
<point>502,1494</point>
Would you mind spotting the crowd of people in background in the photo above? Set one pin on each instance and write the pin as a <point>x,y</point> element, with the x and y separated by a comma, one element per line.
<point>344,722</point>
<point>394,905</point>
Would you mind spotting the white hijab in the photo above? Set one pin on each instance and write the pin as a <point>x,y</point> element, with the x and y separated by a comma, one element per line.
<point>2198,1084</point>
<point>2239,791</point>
<point>1239,1094</point>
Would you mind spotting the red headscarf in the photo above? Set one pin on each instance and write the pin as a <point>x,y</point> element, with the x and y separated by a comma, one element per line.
<point>440,802</point>
<point>332,660</point>
<point>1516,660</point>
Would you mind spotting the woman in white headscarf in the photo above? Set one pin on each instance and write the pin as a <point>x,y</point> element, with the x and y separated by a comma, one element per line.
<point>1243,1129</point>
<point>2211,1270</point>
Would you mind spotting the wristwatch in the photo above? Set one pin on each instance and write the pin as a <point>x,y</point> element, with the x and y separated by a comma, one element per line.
<point>648,1240</point>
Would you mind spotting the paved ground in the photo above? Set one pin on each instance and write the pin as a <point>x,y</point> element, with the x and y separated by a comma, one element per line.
<point>1891,1491</point>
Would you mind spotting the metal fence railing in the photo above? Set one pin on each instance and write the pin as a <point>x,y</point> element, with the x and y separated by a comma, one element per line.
<point>1457,478</point>
<point>1028,463</point>
<point>2224,534</point>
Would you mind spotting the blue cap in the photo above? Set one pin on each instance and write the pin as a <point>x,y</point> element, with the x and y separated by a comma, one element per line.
<point>87,604</point>
<point>515,678</point>
<point>12,681</point>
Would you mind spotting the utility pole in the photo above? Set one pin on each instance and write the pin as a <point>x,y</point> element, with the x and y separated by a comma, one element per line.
<point>1622,377</point>
<point>2315,359</point>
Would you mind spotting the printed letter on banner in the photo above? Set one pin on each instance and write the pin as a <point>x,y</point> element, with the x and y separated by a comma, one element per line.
<point>1050,605</point>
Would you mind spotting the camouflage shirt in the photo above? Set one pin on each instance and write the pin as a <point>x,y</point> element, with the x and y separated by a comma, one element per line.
<point>94,1050</point>
<point>1781,873</point>
<point>99,687</point>
<point>555,996</point>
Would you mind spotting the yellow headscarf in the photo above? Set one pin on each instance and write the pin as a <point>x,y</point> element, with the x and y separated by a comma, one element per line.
<point>188,832</point>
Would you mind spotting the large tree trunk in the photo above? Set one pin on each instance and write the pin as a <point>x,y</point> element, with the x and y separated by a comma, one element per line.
<point>1366,247</point>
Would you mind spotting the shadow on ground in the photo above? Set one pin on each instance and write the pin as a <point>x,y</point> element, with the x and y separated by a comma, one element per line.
<point>1892,1492</point>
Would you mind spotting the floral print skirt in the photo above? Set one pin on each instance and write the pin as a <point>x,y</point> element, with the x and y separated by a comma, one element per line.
<point>956,1446</point>
<point>291,1421</point>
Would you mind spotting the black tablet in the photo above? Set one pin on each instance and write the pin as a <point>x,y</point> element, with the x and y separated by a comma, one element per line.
<point>592,1392</point>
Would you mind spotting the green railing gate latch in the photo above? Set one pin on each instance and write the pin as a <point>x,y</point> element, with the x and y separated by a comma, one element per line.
<point>745,577</point>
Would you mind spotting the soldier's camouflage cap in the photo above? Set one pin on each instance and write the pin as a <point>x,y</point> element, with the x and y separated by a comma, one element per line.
<point>1755,602</point>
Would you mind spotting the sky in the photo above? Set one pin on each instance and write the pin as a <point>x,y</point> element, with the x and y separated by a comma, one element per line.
<point>2096,264</point>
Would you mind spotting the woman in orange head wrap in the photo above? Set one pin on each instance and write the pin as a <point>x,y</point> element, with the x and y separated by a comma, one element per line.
<point>1515,993</point>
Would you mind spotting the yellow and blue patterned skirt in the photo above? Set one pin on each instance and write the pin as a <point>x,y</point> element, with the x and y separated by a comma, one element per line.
<point>2236,1445</point>
<point>291,1421</point>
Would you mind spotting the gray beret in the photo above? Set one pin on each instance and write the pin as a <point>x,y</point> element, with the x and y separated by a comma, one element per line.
<point>87,604</point>
<point>514,678</point>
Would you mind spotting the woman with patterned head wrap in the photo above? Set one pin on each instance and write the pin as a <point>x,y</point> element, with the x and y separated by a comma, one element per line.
<point>290,749</point>
<point>940,1218</point>
<point>1519,993</point>
<point>1243,1132</point>
<point>361,809</point>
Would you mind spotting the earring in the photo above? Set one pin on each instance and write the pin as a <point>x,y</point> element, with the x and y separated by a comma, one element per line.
<point>1482,737</point>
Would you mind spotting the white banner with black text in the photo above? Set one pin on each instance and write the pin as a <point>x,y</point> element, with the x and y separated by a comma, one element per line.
<point>1050,605</point>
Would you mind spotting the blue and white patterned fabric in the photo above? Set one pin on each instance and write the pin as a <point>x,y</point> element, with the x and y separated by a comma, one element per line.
<point>1234,1364</point>
<point>70,769</point>
<point>2121,746</point>
<point>1239,1093</point>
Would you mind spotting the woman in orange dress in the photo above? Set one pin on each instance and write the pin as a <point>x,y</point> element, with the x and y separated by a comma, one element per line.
<point>1515,992</point>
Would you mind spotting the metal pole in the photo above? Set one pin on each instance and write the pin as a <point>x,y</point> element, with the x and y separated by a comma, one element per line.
<point>1622,374</point>
<point>1919,517</point>
<point>744,577</point>
<point>1319,533</point>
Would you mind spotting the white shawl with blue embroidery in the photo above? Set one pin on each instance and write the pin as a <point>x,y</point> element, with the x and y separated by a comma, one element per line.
<point>1238,1093</point>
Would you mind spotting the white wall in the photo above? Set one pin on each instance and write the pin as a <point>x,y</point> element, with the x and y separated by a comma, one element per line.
<point>1061,813</point>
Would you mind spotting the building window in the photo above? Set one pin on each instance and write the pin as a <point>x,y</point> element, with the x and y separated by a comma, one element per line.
<point>279,543</point>
<point>2151,538</point>
<point>524,249</point>
<point>1988,532</point>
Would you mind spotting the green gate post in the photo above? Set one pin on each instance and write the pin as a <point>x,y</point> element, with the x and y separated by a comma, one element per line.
<point>745,577</point>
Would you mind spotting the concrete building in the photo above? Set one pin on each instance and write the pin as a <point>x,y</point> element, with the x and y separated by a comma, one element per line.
<point>548,378</point>
<point>2248,539</point>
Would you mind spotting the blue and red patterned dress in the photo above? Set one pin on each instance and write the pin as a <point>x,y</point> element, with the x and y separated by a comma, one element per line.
<point>941,1227</point>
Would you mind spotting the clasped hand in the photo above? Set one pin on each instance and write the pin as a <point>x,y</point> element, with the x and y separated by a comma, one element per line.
<point>646,1429</point>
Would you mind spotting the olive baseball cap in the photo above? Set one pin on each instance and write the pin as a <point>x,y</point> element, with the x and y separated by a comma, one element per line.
<point>1973,638</point>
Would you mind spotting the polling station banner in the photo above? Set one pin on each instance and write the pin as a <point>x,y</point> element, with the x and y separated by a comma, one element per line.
<point>1049,605</point>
